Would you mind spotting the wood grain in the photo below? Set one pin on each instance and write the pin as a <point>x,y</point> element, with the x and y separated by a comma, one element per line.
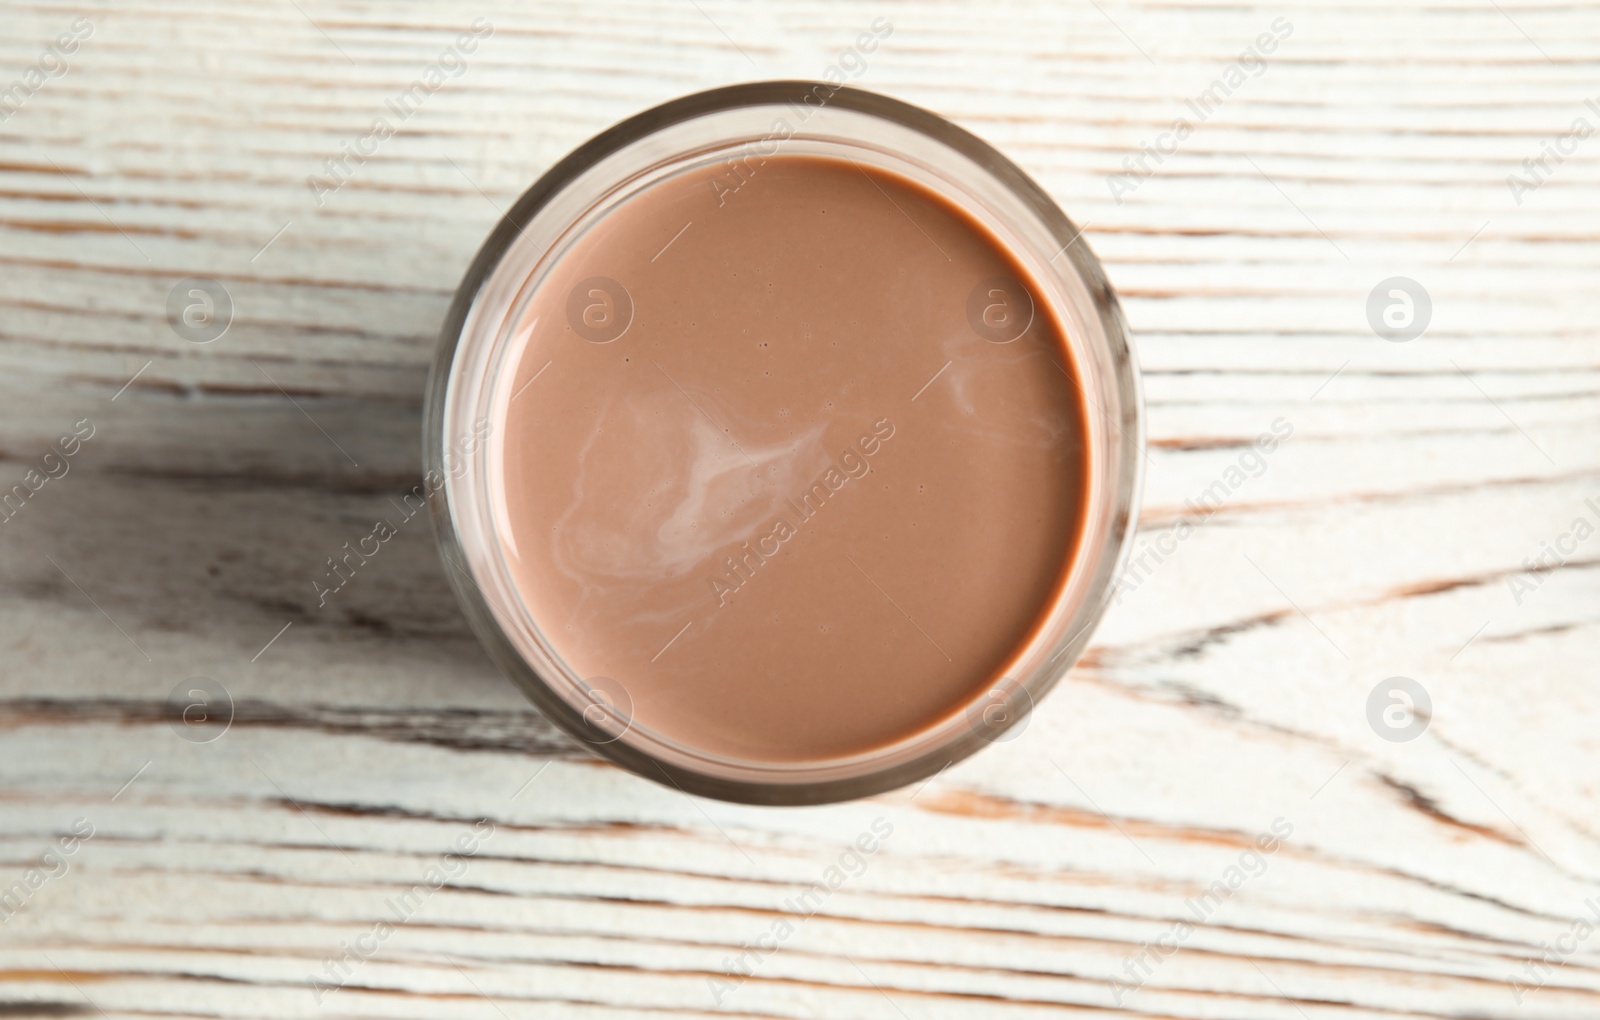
<point>1226,692</point>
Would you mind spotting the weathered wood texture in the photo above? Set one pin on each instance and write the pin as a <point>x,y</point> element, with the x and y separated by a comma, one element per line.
<point>1227,690</point>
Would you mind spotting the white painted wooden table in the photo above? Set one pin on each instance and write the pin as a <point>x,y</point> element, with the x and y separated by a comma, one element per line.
<point>1227,693</point>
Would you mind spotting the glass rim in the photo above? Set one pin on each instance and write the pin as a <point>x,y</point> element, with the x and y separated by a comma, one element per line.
<point>1128,445</point>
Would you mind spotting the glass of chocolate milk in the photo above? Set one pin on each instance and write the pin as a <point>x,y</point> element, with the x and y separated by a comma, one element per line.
<point>783,443</point>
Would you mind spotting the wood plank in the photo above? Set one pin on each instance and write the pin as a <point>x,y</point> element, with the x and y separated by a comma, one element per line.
<point>1226,691</point>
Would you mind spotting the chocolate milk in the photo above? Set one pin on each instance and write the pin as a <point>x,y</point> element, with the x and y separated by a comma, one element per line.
<point>794,458</point>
